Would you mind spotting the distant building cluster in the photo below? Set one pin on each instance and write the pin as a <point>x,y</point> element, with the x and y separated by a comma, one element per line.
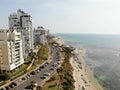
<point>40,35</point>
<point>17,42</point>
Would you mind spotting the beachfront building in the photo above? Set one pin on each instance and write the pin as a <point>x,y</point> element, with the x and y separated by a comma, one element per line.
<point>22,22</point>
<point>13,21</point>
<point>40,35</point>
<point>11,56</point>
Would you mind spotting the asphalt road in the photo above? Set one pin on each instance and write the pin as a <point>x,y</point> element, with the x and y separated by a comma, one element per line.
<point>22,84</point>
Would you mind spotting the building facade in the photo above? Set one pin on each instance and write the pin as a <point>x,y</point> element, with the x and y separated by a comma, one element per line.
<point>22,22</point>
<point>40,35</point>
<point>11,56</point>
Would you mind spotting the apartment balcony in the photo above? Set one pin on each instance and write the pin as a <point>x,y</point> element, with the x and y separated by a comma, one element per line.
<point>17,44</point>
<point>17,55</point>
<point>18,40</point>
<point>17,64</point>
<point>16,47</point>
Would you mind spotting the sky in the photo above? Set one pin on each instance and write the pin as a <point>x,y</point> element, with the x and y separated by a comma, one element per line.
<point>67,16</point>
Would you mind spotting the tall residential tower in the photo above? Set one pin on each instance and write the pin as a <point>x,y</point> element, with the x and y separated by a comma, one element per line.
<point>22,22</point>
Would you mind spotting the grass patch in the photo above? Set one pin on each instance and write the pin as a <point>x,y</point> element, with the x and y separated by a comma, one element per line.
<point>20,71</point>
<point>43,52</point>
<point>28,59</point>
<point>13,75</point>
<point>63,78</point>
<point>41,57</point>
<point>2,83</point>
<point>51,84</point>
<point>68,80</point>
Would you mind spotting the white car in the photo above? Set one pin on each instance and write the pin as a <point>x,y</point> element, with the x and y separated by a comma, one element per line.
<point>46,74</point>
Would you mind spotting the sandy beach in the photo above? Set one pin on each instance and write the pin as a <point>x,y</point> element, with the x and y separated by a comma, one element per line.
<point>84,80</point>
<point>83,76</point>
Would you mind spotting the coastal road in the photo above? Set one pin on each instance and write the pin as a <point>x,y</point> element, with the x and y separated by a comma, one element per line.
<point>36,77</point>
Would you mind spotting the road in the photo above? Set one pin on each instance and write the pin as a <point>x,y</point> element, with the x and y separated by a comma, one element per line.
<point>36,77</point>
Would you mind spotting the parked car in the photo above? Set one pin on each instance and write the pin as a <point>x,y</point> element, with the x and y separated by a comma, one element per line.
<point>7,88</point>
<point>46,63</point>
<point>38,70</point>
<point>52,68</point>
<point>11,86</point>
<point>27,77</point>
<point>3,88</point>
<point>43,77</point>
<point>24,78</point>
<point>41,67</point>
<point>46,74</point>
<point>29,87</point>
<point>13,83</point>
<point>32,73</point>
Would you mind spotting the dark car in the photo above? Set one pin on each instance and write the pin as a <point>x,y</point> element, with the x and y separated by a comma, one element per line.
<point>3,88</point>
<point>11,86</point>
<point>46,63</point>
<point>7,88</point>
<point>29,87</point>
<point>32,73</point>
<point>42,66</point>
<point>14,83</point>
<point>43,77</point>
<point>24,78</point>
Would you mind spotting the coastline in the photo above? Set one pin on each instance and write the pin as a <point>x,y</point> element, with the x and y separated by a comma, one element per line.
<point>83,76</point>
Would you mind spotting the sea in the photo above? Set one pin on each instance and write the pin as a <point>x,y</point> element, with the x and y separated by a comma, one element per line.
<point>102,56</point>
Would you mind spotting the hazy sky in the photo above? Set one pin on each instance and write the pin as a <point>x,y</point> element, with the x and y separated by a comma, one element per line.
<point>67,16</point>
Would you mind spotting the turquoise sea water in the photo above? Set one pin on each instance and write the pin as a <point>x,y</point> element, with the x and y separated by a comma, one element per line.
<point>102,56</point>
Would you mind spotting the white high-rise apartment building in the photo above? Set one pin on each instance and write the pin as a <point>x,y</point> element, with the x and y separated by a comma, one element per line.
<point>11,56</point>
<point>22,22</point>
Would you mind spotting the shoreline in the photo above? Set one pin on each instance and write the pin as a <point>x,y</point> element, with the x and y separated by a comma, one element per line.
<point>83,76</point>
